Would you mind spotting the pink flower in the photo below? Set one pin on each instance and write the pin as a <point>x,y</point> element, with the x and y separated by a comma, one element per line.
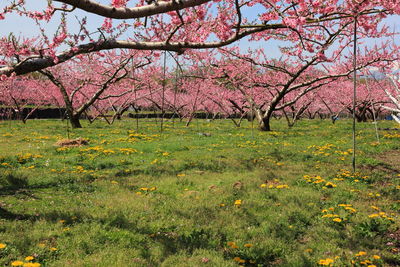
<point>107,25</point>
<point>118,3</point>
<point>291,22</point>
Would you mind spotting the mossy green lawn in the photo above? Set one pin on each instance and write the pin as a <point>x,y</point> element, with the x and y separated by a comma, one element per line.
<point>210,194</point>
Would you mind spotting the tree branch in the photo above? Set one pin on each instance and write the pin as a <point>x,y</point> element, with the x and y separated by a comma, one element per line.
<point>132,13</point>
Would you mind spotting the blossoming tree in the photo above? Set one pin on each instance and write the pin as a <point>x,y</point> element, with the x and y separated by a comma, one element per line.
<point>92,78</point>
<point>176,26</point>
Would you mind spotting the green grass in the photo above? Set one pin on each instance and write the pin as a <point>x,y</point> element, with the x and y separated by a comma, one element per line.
<point>146,198</point>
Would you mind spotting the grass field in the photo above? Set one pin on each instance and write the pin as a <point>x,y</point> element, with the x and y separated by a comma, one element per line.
<point>139,197</point>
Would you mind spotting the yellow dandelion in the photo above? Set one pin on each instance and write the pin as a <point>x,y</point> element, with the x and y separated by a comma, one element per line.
<point>53,249</point>
<point>231,243</point>
<point>365,262</point>
<point>248,245</point>
<point>330,185</point>
<point>326,262</point>
<point>238,202</point>
<point>17,263</point>
<point>361,253</point>
<point>29,258</point>
<point>2,245</point>
<point>237,259</point>
<point>282,186</point>
<point>31,264</point>
<point>263,185</point>
<point>337,220</point>
<point>350,209</point>
<point>376,257</point>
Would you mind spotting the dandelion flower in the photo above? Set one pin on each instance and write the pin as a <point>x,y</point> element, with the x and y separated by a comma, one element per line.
<point>282,186</point>
<point>29,258</point>
<point>32,264</point>
<point>365,262</point>
<point>350,209</point>
<point>238,202</point>
<point>330,185</point>
<point>232,244</point>
<point>17,263</point>
<point>237,259</point>
<point>361,253</point>
<point>326,262</point>
<point>2,245</point>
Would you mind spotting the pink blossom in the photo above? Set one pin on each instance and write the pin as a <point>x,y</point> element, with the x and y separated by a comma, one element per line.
<point>118,3</point>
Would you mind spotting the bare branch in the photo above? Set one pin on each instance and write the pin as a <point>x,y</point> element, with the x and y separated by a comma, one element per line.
<point>132,13</point>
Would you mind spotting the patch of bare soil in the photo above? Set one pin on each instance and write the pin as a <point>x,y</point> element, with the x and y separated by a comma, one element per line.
<point>394,241</point>
<point>72,142</point>
<point>390,162</point>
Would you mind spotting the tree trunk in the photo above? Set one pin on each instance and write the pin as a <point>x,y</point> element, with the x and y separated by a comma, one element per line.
<point>265,124</point>
<point>75,123</point>
<point>263,119</point>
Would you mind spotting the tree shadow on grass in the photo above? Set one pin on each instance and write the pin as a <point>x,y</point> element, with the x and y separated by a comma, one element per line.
<point>8,215</point>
